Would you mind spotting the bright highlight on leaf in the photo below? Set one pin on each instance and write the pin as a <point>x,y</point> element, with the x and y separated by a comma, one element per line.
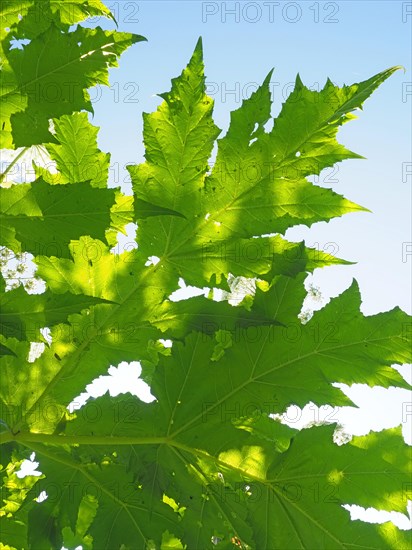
<point>203,465</point>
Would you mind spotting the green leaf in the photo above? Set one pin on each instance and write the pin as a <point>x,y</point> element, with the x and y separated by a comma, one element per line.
<point>73,11</point>
<point>285,494</point>
<point>39,14</point>
<point>266,368</point>
<point>9,13</point>
<point>314,477</point>
<point>13,532</point>
<point>207,422</point>
<point>42,219</point>
<point>179,139</point>
<point>87,512</point>
<point>37,86</point>
<point>120,497</point>
<point>78,159</point>
<point>76,153</point>
<point>304,135</point>
<point>4,350</point>
<point>22,314</point>
<point>257,184</point>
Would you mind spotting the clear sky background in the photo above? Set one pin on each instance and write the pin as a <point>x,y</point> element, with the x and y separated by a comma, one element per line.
<point>347,41</point>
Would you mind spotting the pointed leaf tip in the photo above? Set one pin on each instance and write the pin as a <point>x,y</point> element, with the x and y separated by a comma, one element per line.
<point>197,56</point>
<point>397,68</point>
<point>269,75</point>
<point>199,45</point>
<point>113,18</point>
<point>361,208</point>
<point>298,83</point>
<point>138,38</point>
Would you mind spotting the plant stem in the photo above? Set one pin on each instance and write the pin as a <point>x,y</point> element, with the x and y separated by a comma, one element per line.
<point>51,439</point>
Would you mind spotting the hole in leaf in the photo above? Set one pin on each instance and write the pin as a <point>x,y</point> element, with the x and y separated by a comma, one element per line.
<point>152,260</point>
<point>18,44</point>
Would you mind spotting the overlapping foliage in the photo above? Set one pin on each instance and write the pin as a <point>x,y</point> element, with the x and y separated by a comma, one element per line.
<point>204,465</point>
